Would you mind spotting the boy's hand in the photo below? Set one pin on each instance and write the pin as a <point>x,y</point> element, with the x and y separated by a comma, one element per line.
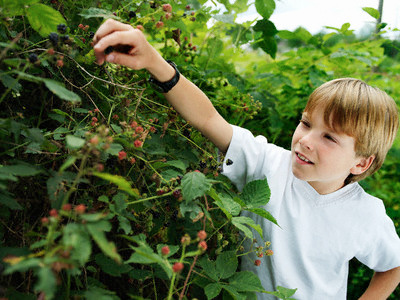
<point>113,33</point>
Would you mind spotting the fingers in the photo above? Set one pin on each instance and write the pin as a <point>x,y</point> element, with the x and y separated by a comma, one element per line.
<point>108,27</point>
<point>124,59</point>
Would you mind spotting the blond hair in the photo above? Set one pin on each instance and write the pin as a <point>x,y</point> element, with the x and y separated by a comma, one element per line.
<point>361,111</point>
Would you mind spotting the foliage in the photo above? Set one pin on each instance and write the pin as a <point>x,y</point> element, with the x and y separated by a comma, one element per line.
<point>105,191</point>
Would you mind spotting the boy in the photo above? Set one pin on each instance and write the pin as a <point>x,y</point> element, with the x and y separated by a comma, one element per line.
<point>325,217</point>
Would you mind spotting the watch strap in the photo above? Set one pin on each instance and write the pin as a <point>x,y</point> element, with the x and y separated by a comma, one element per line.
<point>166,86</point>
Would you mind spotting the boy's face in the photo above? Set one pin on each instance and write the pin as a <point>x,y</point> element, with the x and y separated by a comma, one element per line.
<point>323,157</point>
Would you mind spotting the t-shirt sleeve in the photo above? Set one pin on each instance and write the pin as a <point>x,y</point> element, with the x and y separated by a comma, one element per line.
<point>381,252</point>
<point>250,158</point>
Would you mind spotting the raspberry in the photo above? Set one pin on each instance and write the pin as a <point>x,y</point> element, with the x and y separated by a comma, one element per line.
<point>94,119</point>
<point>61,28</point>
<point>50,51</point>
<point>81,26</point>
<point>203,245</point>
<point>137,143</point>
<point>177,267</point>
<point>121,155</point>
<point>33,57</point>
<point>132,14</point>
<point>202,235</point>
<point>53,213</point>
<point>80,209</point>
<point>108,50</point>
<point>67,207</point>
<point>159,24</point>
<point>168,16</point>
<point>134,124</point>
<point>165,250</point>
<point>139,129</point>
<point>60,63</point>
<point>257,262</point>
<point>167,8</point>
<point>53,37</point>
<point>45,220</point>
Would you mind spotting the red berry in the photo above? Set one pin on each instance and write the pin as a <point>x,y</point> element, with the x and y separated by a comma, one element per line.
<point>167,8</point>
<point>67,207</point>
<point>152,129</point>
<point>260,254</point>
<point>115,117</point>
<point>96,110</point>
<point>80,209</point>
<point>50,51</point>
<point>100,167</point>
<point>94,140</point>
<point>94,119</point>
<point>139,129</point>
<point>177,267</point>
<point>81,26</point>
<point>269,252</point>
<point>138,143</point>
<point>134,124</point>
<point>53,213</point>
<point>257,262</point>
<point>168,16</point>
<point>187,7</point>
<point>121,155</point>
<point>45,220</point>
<point>202,235</point>
<point>165,250</point>
<point>133,160</point>
<point>177,194</point>
<point>159,24</point>
<point>203,245</point>
<point>60,63</point>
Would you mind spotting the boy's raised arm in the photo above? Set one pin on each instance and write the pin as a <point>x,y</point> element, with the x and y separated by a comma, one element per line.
<point>187,99</point>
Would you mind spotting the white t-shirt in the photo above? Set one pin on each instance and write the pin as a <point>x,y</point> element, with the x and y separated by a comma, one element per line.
<point>318,234</point>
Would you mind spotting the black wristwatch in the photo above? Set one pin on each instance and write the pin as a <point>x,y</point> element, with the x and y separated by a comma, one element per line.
<point>164,87</point>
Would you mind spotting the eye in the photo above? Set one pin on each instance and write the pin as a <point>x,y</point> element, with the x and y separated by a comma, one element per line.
<point>305,123</point>
<point>329,137</point>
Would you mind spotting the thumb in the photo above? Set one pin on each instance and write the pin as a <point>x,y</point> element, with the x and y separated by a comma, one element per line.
<point>123,59</point>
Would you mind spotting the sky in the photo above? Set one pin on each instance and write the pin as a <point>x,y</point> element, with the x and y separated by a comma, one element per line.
<point>315,14</point>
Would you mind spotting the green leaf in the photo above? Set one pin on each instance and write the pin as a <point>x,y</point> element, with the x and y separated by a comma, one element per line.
<point>58,89</point>
<point>225,18</point>
<point>256,193</point>
<point>228,206</point>
<point>121,182</point>
<point>263,213</point>
<point>194,184</point>
<point>233,292</point>
<point>99,237</point>
<point>110,267</point>
<point>20,170</point>
<point>114,149</point>
<point>172,249</point>
<point>44,19</point>
<point>47,282</point>
<point>246,281</point>
<point>94,12</point>
<point>212,290</point>
<point>76,237</point>
<point>283,293</point>
<point>209,268</point>
<point>9,82</point>
<point>372,12</point>
<point>13,8</point>
<point>23,266</point>
<point>67,163</point>
<point>265,8</point>
<point>10,202</point>
<point>226,264</point>
<point>240,223</point>
<point>267,42</point>
<point>74,142</point>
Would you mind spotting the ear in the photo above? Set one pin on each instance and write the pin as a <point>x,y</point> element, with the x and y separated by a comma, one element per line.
<point>363,165</point>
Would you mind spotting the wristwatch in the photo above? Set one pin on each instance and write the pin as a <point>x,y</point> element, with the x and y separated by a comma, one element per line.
<point>164,87</point>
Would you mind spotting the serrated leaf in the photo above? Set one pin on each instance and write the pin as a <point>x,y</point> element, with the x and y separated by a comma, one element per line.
<point>10,202</point>
<point>9,82</point>
<point>233,292</point>
<point>209,268</point>
<point>120,181</point>
<point>256,193</point>
<point>58,89</point>
<point>22,266</point>
<point>67,163</point>
<point>194,184</point>
<point>94,12</point>
<point>75,236</point>
<point>110,267</point>
<point>20,170</point>
<point>240,223</point>
<point>13,8</point>
<point>44,19</point>
<point>263,213</point>
<point>246,281</point>
<point>265,8</point>
<point>99,237</point>
<point>372,12</point>
<point>228,206</point>
<point>212,290</point>
<point>226,264</point>
<point>74,142</point>
<point>47,282</point>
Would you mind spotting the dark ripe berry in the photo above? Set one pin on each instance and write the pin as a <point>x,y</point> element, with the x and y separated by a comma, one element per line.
<point>179,178</point>
<point>186,133</point>
<point>65,38</point>
<point>184,15</point>
<point>108,50</point>
<point>132,14</point>
<point>176,194</point>
<point>61,28</point>
<point>53,37</point>
<point>153,4</point>
<point>91,34</point>
<point>202,164</point>
<point>167,224</point>
<point>33,58</point>
<point>156,214</point>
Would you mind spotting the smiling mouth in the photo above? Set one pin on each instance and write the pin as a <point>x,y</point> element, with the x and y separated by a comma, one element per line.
<point>303,158</point>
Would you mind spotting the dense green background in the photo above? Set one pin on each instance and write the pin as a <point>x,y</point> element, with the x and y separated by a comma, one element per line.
<point>68,129</point>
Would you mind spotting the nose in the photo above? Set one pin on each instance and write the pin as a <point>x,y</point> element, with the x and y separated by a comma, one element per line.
<point>306,141</point>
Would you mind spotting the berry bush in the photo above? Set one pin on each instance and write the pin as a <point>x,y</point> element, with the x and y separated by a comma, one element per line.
<point>105,192</point>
